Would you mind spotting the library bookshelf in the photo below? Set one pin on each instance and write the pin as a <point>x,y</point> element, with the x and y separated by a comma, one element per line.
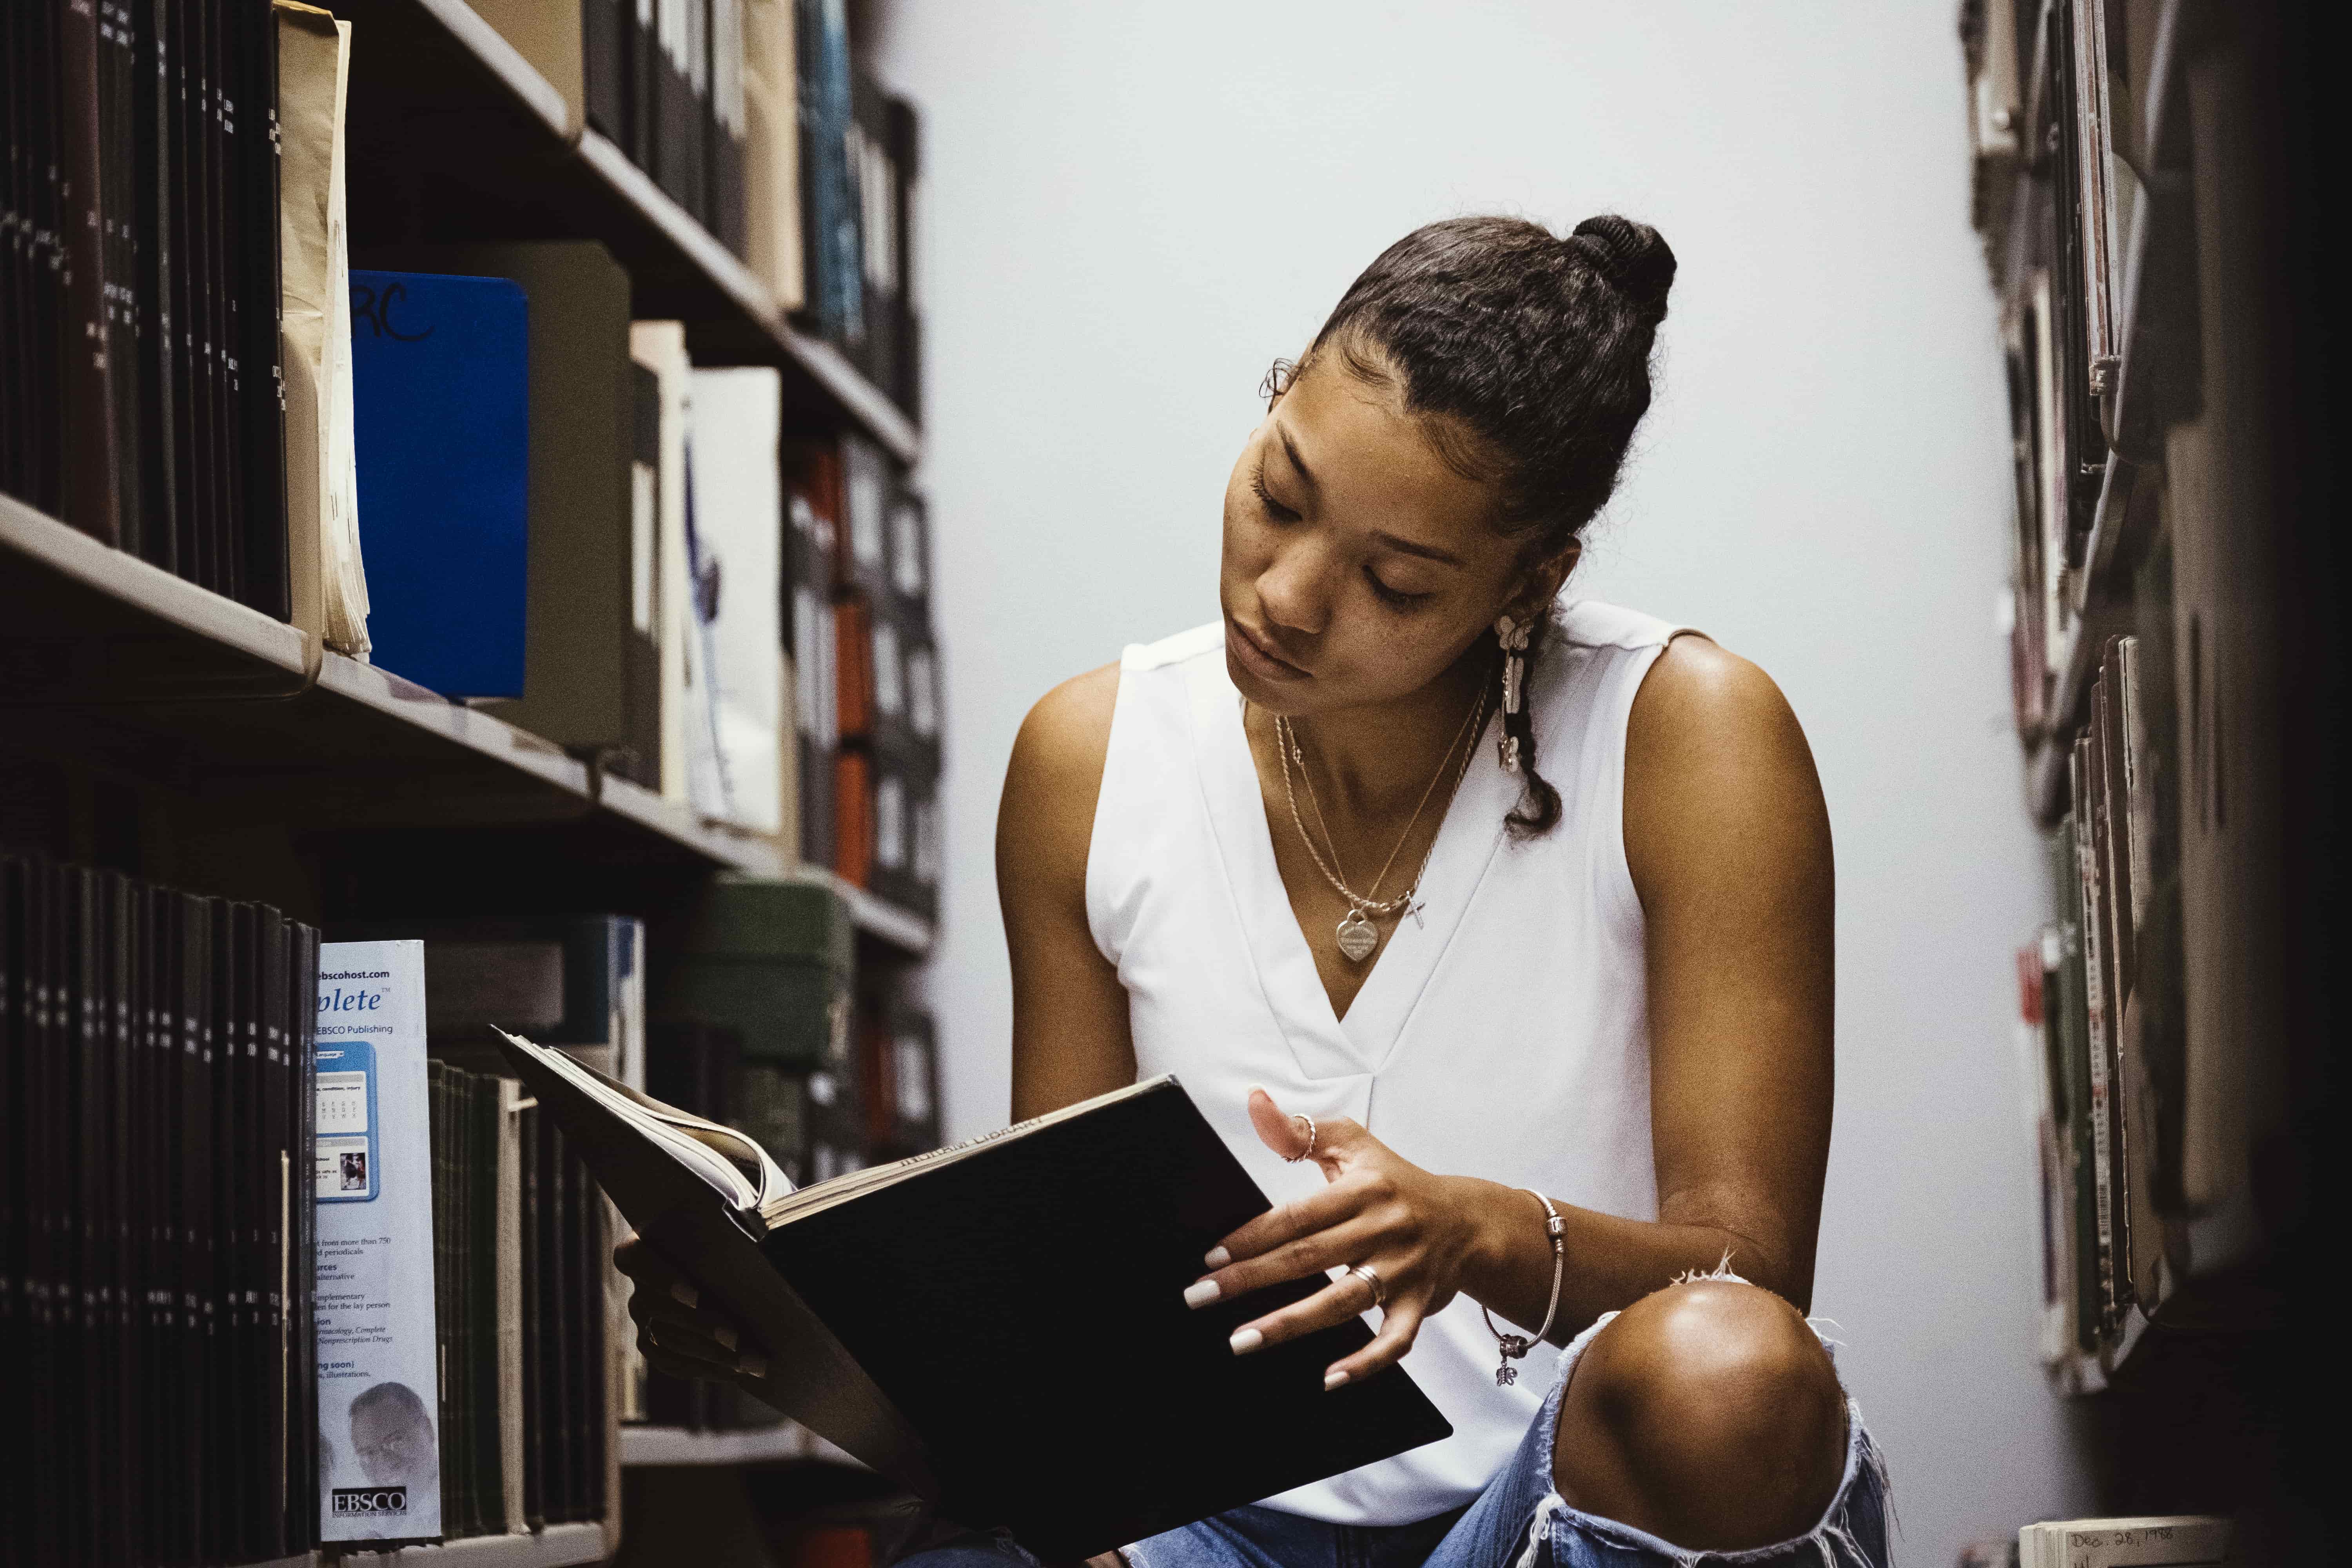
<point>246,699</point>
<point>157,727</point>
<point>2133,186</point>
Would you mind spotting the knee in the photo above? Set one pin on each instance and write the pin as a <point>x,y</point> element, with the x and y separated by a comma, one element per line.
<point>1711,1410</point>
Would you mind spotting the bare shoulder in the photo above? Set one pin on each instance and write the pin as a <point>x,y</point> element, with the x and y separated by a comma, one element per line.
<point>1715,755</point>
<point>1066,735</point>
<point>1046,817</point>
<point>1699,693</point>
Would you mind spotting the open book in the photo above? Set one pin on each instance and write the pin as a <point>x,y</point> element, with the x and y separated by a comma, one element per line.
<point>999,1325</point>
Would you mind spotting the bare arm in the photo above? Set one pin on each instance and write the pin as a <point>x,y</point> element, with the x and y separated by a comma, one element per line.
<point>1729,844</point>
<point>1070,1038</point>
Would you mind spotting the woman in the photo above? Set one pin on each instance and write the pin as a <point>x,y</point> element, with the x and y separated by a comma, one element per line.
<point>1510,921</point>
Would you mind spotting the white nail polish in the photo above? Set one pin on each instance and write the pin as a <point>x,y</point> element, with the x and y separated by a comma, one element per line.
<point>752,1366</point>
<point>1218,1257</point>
<point>685,1293</point>
<point>1201,1293</point>
<point>1333,1379</point>
<point>1246,1339</point>
<point>725,1336</point>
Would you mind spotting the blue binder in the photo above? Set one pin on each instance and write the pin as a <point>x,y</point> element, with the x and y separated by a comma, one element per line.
<point>441,402</point>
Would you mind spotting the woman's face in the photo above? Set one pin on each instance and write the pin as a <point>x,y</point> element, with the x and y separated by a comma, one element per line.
<point>1359,566</point>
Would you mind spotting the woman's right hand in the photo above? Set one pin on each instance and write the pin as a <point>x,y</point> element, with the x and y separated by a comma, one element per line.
<point>677,1333</point>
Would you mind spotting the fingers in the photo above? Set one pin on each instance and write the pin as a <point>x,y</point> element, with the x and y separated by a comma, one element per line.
<point>681,1352</point>
<point>677,1332</point>
<point>1400,1325</point>
<point>1285,1132</point>
<point>1343,1299</point>
<point>1322,1249</point>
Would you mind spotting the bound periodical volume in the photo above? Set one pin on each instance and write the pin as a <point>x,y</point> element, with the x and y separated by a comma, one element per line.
<point>868,1294</point>
<point>2098,992</point>
<point>154,1290</point>
<point>2186,1541</point>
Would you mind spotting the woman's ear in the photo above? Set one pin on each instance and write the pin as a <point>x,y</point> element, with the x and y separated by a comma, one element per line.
<point>1541,581</point>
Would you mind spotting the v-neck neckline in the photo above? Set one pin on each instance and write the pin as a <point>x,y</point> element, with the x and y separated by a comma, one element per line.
<point>1327,1043</point>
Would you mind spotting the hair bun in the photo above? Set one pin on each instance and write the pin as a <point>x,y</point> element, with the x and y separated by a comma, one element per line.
<point>1633,257</point>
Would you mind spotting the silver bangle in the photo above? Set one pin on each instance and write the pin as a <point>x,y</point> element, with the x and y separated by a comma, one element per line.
<point>1514,1346</point>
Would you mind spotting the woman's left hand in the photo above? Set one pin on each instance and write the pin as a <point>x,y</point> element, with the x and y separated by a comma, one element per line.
<point>1414,1230</point>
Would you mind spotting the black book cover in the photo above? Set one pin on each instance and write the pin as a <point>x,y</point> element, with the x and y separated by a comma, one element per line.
<point>528,1124</point>
<point>604,68</point>
<point>481,1265</point>
<point>444,1284</point>
<point>678,138</point>
<point>190,387</point>
<point>152,114</point>
<point>199,1049</point>
<point>303,1504</point>
<point>258,296</point>
<point>87,400</point>
<point>555,1322</point>
<point>642,62</point>
<point>222,438</point>
<point>1115,1208</point>
<point>118,224</point>
<point>86,1292</point>
<point>278,1206</point>
<point>924,1311</point>
<point>723,128</point>
<point>11,1136</point>
<point>232,1164</point>
<point>46,1173</point>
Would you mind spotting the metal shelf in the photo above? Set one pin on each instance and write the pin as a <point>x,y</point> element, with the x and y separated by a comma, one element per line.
<point>557,1546</point>
<point>454,135</point>
<point>650,1447</point>
<point>118,662</point>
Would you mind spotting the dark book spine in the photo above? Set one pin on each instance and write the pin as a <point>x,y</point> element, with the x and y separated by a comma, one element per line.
<point>119,226</point>
<point>529,1124</point>
<point>303,1520</point>
<point>88,402</point>
<point>604,67</point>
<point>159,481</point>
<point>258,296</point>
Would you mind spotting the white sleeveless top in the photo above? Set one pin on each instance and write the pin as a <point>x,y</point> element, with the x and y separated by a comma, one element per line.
<point>1506,1038</point>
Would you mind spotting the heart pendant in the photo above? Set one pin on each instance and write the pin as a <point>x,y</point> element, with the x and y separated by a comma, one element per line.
<point>1358,937</point>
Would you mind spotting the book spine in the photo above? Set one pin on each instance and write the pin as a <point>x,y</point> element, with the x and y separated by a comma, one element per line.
<point>89,500</point>
<point>2097,1045</point>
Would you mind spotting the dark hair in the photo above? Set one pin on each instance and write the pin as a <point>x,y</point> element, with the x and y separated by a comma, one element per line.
<point>1530,356</point>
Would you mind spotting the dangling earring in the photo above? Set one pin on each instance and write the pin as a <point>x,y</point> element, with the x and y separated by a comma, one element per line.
<point>1513,636</point>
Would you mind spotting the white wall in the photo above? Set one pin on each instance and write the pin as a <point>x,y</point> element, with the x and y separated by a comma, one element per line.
<point>1131,208</point>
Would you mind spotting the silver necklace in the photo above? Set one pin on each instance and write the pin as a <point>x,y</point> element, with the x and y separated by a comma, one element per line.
<point>1357,936</point>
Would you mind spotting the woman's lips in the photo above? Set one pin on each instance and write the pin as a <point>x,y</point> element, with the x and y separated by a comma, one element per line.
<point>1258,660</point>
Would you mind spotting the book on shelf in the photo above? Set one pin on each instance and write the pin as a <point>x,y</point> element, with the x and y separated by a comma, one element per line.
<point>587,660</point>
<point>326,571</point>
<point>735,528</point>
<point>2177,1540</point>
<point>661,384</point>
<point>389,1461</point>
<point>772,168</point>
<point>813,508</point>
<point>834,264</point>
<point>2111,1019</point>
<point>844,1288</point>
<point>154,1110</point>
<point>140,400</point>
<point>441,386</point>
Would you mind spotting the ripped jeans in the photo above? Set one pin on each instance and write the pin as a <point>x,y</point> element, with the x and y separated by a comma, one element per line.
<point>1519,1522</point>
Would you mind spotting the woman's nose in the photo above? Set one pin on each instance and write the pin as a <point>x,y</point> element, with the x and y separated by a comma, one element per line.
<point>1295,591</point>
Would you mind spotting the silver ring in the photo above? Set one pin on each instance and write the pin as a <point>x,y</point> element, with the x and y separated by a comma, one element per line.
<point>1309,1153</point>
<point>1364,1271</point>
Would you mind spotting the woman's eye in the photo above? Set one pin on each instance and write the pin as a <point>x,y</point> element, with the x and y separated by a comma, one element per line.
<point>1274,509</point>
<point>1396,598</point>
